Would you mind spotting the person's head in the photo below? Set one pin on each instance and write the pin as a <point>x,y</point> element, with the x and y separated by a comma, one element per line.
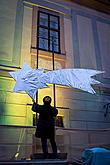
<point>47,100</point>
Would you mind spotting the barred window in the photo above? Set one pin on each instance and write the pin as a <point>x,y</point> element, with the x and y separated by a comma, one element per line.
<point>48,28</point>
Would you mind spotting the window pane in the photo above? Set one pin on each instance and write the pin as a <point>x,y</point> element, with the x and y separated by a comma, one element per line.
<point>53,34</point>
<point>53,22</point>
<point>43,33</point>
<point>43,43</point>
<point>56,48</point>
<point>55,41</point>
<point>43,19</point>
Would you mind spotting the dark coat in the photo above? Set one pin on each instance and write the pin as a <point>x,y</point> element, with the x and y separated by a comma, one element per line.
<point>46,121</point>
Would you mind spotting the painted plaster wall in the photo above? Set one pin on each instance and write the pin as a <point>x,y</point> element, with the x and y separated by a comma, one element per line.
<point>84,47</point>
<point>91,48</point>
<point>103,30</point>
<point>13,106</point>
<point>86,34</point>
<point>10,31</point>
<point>86,37</point>
<point>25,56</point>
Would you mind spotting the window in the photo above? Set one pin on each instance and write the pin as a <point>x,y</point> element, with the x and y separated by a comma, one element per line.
<point>48,31</point>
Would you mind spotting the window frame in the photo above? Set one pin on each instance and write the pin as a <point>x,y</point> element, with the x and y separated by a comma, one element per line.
<point>49,29</point>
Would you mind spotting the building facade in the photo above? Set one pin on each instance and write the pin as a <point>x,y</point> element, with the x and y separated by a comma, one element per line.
<point>81,40</point>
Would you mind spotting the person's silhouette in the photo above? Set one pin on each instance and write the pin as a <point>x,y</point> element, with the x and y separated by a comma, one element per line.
<point>46,124</point>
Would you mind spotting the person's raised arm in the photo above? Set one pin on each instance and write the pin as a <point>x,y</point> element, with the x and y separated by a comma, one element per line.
<point>35,106</point>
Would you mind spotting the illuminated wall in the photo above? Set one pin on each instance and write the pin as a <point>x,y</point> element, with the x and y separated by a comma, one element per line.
<point>90,33</point>
<point>13,106</point>
<point>10,31</point>
<point>15,44</point>
<point>84,44</point>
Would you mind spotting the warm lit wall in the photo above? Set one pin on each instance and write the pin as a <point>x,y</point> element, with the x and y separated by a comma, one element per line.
<point>13,106</point>
<point>85,39</point>
<point>85,44</point>
<point>15,49</point>
<point>10,31</point>
<point>26,36</point>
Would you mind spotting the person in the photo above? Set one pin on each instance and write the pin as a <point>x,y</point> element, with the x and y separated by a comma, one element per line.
<point>46,125</point>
